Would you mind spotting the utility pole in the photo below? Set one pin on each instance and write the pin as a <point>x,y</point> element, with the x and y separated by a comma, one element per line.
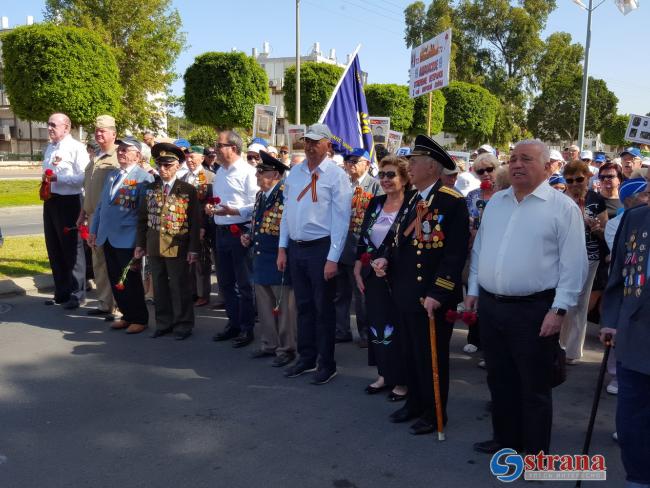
<point>585,80</point>
<point>297,62</point>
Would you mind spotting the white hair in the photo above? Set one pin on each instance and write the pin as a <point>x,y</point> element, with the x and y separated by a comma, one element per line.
<point>545,153</point>
<point>145,152</point>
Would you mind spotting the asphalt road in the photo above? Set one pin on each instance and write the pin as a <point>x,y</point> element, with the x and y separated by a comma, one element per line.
<point>19,221</point>
<point>84,406</point>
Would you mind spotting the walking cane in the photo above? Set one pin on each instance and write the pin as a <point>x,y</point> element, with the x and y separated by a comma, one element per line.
<point>436,376</point>
<point>594,406</point>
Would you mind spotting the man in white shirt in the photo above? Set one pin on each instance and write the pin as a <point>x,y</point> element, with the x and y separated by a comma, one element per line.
<point>235,184</point>
<point>66,158</point>
<point>528,267</point>
<point>313,230</point>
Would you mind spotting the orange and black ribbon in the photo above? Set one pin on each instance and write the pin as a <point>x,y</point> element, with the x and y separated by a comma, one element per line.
<point>421,210</point>
<point>312,186</point>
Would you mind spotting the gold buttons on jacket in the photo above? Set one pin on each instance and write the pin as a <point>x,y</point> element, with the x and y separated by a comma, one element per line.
<point>419,265</point>
<point>419,278</point>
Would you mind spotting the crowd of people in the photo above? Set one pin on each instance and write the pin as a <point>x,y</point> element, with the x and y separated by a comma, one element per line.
<point>517,247</point>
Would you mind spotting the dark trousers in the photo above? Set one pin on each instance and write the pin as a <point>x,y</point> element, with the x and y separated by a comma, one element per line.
<point>130,300</point>
<point>416,349</point>
<point>234,276</point>
<point>315,304</point>
<point>519,371</point>
<point>633,423</point>
<point>65,251</point>
<point>346,288</point>
<point>173,304</point>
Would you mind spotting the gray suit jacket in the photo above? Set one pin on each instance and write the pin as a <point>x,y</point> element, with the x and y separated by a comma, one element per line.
<point>626,300</point>
<point>348,256</point>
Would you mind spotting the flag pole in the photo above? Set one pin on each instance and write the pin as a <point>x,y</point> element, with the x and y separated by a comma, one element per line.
<point>321,119</point>
<point>429,114</point>
<point>297,62</point>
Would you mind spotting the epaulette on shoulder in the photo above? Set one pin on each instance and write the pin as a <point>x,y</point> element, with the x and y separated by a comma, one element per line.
<point>450,191</point>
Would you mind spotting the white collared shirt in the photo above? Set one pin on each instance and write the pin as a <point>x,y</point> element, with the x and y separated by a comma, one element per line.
<point>169,183</point>
<point>425,193</point>
<point>530,246</point>
<point>67,159</point>
<point>236,186</point>
<point>306,220</point>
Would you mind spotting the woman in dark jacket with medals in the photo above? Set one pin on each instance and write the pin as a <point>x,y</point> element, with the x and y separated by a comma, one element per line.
<point>384,349</point>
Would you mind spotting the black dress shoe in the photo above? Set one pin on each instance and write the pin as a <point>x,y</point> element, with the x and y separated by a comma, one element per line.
<point>487,447</point>
<point>395,397</point>
<point>181,336</point>
<point>227,334</point>
<point>323,376</point>
<point>261,353</point>
<point>54,301</point>
<point>109,318</point>
<point>372,390</point>
<point>298,369</point>
<point>160,333</point>
<point>343,338</point>
<point>97,311</point>
<point>243,339</point>
<point>422,426</point>
<point>283,359</point>
<point>71,304</point>
<point>402,415</point>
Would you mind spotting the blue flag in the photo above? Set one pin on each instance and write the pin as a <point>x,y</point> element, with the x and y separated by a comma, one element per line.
<point>346,114</point>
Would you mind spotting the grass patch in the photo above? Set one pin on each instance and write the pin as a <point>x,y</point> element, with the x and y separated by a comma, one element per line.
<point>16,193</point>
<point>23,256</point>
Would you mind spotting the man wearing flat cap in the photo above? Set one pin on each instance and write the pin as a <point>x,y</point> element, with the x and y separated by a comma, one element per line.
<point>114,227</point>
<point>95,176</point>
<point>169,227</point>
<point>424,267</point>
<point>201,180</point>
<point>317,198</point>
<point>276,305</point>
<point>364,188</point>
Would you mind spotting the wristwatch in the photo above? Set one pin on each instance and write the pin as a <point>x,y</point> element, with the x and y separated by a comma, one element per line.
<point>559,311</point>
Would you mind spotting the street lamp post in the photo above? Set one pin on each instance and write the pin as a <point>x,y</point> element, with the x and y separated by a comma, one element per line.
<point>297,62</point>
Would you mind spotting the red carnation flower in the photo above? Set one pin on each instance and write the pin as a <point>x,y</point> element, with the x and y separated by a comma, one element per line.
<point>119,286</point>
<point>84,232</point>
<point>451,316</point>
<point>214,200</point>
<point>276,312</point>
<point>235,230</point>
<point>469,318</point>
<point>366,258</point>
<point>486,185</point>
<point>49,172</point>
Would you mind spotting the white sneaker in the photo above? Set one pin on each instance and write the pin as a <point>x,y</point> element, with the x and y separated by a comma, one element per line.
<point>572,362</point>
<point>612,388</point>
<point>470,348</point>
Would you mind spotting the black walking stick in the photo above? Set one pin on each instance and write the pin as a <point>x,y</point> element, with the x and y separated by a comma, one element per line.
<point>594,406</point>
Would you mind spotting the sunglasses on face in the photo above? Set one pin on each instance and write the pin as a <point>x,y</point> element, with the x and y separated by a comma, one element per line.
<point>571,181</point>
<point>607,177</point>
<point>482,171</point>
<point>352,162</point>
<point>219,145</point>
<point>253,158</point>
<point>284,152</point>
<point>386,174</point>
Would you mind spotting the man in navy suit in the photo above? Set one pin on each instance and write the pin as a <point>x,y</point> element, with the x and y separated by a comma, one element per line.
<point>625,316</point>
<point>114,226</point>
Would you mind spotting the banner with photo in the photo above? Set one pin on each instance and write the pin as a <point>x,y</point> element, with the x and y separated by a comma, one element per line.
<point>394,141</point>
<point>638,129</point>
<point>264,122</point>
<point>379,127</point>
<point>295,133</point>
<point>430,65</point>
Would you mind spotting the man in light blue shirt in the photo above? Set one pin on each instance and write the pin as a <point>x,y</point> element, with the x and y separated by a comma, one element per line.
<point>313,230</point>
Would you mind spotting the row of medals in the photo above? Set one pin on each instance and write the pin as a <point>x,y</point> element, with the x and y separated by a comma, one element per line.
<point>172,226</point>
<point>434,241</point>
<point>631,270</point>
<point>271,222</point>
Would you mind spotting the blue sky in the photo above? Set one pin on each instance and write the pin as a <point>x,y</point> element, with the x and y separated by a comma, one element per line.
<point>617,53</point>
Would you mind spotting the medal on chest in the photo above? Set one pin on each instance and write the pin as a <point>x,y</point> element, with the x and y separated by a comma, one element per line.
<point>635,264</point>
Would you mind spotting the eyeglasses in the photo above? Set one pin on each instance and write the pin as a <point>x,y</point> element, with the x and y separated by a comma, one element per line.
<point>252,157</point>
<point>482,171</point>
<point>219,145</point>
<point>352,162</point>
<point>167,164</point>
<point>607,177</point>
<point>386,174</point>
<point>284,152</point>
<point>571,181</point>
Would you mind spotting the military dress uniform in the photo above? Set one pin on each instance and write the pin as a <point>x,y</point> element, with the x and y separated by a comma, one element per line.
<point>168,229</point>
<point>201,271</point>
<point>426,259</point>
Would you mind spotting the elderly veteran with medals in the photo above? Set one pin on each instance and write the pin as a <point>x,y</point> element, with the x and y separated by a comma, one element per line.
<point>168,232</point>
<point>276,304</point>
<point>201,179</point>
<point>114,227</point>
<point>424,266</point>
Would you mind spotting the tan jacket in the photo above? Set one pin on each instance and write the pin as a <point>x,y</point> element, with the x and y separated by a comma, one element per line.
<point>95,177</point>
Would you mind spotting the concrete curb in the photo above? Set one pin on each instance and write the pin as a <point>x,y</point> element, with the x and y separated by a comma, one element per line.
<point>25,285</point>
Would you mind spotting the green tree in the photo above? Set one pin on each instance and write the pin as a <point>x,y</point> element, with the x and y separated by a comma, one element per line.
<point>559,58</point>
<point>421,111</point>
<point>146,37</point>
<point>49,68</point>
<point>614,131</point>
<point>470,112</point>
<point>317,82</point>
<point>555,113</point>
<point>202,136</point>
<point>221,90</point>
<point>391,101</point>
